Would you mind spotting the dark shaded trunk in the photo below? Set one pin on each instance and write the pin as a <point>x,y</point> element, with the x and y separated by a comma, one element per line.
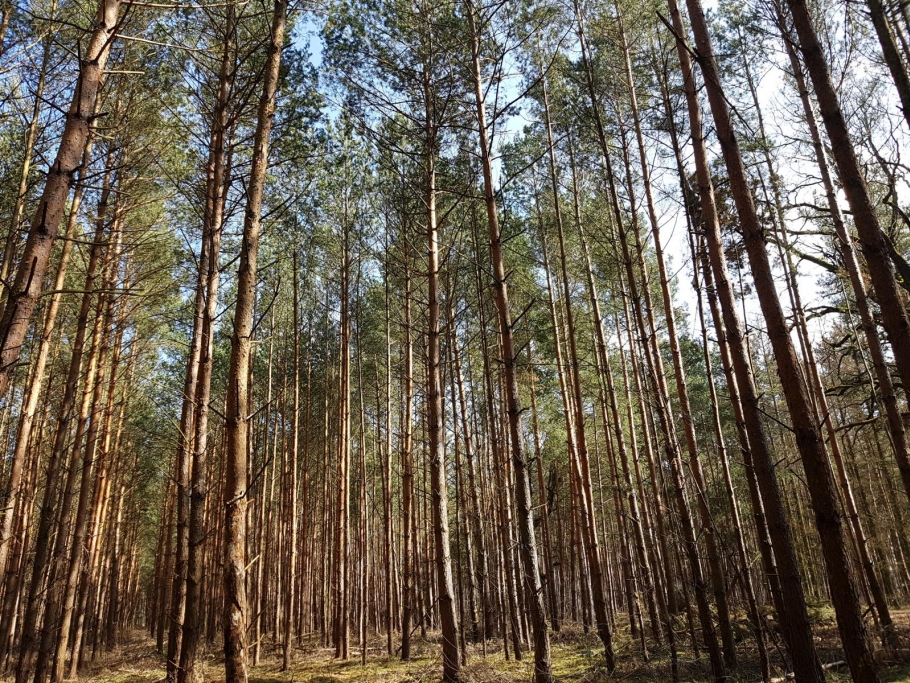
<point>819,477</point>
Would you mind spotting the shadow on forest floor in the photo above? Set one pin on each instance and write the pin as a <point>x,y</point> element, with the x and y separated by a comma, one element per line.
<point>577,658</point>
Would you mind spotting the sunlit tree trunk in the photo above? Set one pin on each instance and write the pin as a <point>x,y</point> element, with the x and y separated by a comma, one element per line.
<point>526,536</point>
<point>23,295</point>
<point>238,408</point>
<point>218,171</point>
<point>451,658</point>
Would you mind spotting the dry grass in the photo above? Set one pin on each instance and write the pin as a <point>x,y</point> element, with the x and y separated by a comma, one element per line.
<point>577,658</point>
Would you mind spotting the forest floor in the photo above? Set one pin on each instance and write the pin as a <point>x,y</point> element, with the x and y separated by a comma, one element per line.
<point>577,658</point>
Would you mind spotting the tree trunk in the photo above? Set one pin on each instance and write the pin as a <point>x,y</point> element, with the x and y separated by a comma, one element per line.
<point>819,476</point>
<point>340,597</point>
<point>451,658</point>
<point>217,174</point>
<point>527,548</point>
<point>407,467</point>
<point>238,408</point>
<point>579,463</point>
<point>31,134</point>
<point>26,288</point>
<point>290,596</point>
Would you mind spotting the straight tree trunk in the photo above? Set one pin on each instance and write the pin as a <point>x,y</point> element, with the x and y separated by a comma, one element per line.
<point>26,287</point>
<point>708,530</point>
<point>238,408</point>
<point>527,542</point>
<point>407,468</point>
<point>451,658</point>
<point>658,381</point>
<point>476,526</point>
<point>469,501</point>
<point>819,477</point>
<point>892,57</point>
<point>340,597</point>
<point>217,173</point>
<point>644,570</point>
<point>823,412</point>
<point>546,540</point>
<point>93,398</point>
<point>873,241</point>
<point>388,531</point>
<point>579,463</point>
<point>290,596</point>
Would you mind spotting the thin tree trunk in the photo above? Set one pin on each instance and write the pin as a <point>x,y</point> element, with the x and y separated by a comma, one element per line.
<point>579,463</point>
<point>407,468</point>
<point>31,134</point>
<point>527,548</point>
<point>238,408</point>
<point>388,531</point>
<point>892,57</point>
<point>451,658</point>
<point>819,476</point>
<point>792,606</point>
<point>93,398</point>
<point>340,591</point>
<point>26,288</point>
<point>209,260</point>
<point>290,596</point>
<point>546,541</point>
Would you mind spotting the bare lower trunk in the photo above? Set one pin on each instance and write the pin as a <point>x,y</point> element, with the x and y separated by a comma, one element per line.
<point>527,543</point>
<point>819,477</point>
<point>238,408</point>
<point>209,262</point>
<point>290,596</point>
<point>407,470</point>
<point>340,592</point>
<point>451,658</point>
<point>792,606</point>
<point>579,462</point>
